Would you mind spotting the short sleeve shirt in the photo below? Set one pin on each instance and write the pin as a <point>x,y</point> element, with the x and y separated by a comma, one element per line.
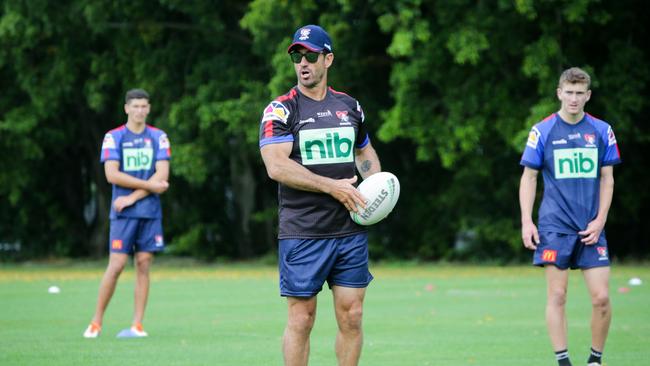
<point>324,135</point>
<point>570,157</point>
<point>137,154</point>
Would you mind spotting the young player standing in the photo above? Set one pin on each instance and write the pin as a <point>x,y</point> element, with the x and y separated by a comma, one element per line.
<point>576,153</point>
<point>136,162</point>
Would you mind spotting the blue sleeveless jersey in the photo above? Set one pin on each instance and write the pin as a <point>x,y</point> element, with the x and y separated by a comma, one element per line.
<point>137,154</point>
<point>570,158</point>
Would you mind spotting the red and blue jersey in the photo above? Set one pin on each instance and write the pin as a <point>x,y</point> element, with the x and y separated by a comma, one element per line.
<point>137,155</point>
<point>570,157</point>
<point>324,135</point>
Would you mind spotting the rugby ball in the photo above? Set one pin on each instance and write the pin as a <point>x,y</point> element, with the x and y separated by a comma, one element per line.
<point>381,191</point>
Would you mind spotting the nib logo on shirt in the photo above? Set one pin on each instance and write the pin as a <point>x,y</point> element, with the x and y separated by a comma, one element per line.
<point>575,163</point>
<point>326,145</point>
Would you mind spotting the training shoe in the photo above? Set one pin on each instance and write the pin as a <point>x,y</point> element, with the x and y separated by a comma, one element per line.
<point>594,364</point>
<point>136,331</point>
<point>93,330</point>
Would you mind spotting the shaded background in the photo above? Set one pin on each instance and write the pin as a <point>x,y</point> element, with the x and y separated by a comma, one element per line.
<point>450,90</point>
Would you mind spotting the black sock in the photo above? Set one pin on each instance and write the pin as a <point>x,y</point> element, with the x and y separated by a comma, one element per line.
<point>562,358</point>
<point>595,356</point>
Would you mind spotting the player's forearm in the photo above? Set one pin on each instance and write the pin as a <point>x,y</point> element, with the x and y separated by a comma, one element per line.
<point>127,181</point>
<point>527,191</point>
<point>367,161</point>
<point>294,175</point>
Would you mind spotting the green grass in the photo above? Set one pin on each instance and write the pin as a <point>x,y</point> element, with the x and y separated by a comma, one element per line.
<point>232,315</point>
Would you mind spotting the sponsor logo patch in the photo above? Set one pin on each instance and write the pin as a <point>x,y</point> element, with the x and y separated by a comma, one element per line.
<point>533,138</point>
<point>116,244</point>
<point>575,163</point>
<point>327,113</point>
<point>137,159</point>
<point>163,142</point>
<point>360,110</point>
<point>276,111</point>
<point>308,120</point>
<point>327,145</point>
<point>559,142</point>
<point>573,136</point>
<point>159,240</point>
<point>602,253</point>
<point>549,255</point>
<point>611,139</point>
<point>109,142</point>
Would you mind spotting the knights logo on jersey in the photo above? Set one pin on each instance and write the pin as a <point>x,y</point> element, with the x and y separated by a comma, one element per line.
<point>343,116</point>
<point>591,139</point>
<point>276,111</point>
<point>602,253</point>
<point>611,139</point>
<point>533,138</point>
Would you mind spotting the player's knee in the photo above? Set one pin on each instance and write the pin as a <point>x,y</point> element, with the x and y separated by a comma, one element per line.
<point>600,300</point>
<point>143,263</point>
<point>352,319</point>
<point>557,297</point>
<point>301,322</point>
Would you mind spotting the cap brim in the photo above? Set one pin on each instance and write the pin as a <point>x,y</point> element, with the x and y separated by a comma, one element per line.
<point>307,45</point>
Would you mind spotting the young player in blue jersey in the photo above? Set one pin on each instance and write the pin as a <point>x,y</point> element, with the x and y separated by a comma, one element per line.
<point>136,162</point>
<point>311,141</point>
<point>575,153</point>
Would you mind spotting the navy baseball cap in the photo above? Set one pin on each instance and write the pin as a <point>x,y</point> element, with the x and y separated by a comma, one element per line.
<point>313,38</point>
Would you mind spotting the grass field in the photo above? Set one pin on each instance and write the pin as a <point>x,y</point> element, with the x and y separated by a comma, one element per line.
<point>232,315</point>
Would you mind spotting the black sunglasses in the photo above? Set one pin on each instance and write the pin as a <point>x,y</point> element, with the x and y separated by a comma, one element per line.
<point>311,56</point>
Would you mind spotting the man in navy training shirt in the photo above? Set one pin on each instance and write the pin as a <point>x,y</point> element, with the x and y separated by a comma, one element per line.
<point>311,140</point>
<point>575,153</point>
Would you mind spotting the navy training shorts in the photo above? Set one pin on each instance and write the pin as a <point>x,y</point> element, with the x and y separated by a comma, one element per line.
<point>129,235</point>
<point>567,251</point>
<point>305,264</point>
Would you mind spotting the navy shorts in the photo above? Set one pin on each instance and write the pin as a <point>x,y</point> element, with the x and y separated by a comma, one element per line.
<point>129,235</point>
<point>305,264</point>
<point>567,251</point>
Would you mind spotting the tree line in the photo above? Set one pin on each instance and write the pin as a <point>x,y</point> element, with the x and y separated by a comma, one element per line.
<point>450,90</point>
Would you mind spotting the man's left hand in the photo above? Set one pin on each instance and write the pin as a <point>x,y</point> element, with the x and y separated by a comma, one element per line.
<point>592,233</point>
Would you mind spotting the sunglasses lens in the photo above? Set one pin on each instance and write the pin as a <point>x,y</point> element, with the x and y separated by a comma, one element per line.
<point>311,57</point>
<point>296,57</point>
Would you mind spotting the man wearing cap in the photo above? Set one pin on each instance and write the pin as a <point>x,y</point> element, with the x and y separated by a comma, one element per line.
<point>312,140</point>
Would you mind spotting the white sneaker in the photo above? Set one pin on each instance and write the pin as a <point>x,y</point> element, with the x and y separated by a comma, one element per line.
<point>136,331</point>
<point>93,330</point>
<point>594,364</point>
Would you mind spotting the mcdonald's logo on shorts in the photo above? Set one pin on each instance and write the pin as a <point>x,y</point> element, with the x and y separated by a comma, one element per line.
<point>116,244</point>
<point>549,255</point>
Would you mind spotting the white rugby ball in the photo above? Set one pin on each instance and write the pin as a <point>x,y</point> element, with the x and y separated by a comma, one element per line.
<point>381,191</point>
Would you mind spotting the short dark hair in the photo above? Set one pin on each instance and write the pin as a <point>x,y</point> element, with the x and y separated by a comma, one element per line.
<point>135,94</point>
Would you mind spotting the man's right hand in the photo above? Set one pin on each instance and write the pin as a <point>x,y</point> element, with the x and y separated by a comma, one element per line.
<point>529,235</point>
<point>157,186</point>
<point>345,192</point>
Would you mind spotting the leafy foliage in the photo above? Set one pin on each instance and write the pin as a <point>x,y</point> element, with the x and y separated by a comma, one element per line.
<point>450,90</point>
